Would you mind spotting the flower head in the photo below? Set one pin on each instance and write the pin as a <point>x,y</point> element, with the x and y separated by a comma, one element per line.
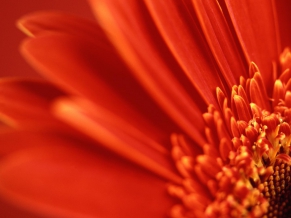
<point>178,108</point>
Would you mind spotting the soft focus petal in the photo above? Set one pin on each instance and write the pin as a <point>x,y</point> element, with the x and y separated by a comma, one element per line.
<point>45,22</point>
<point>61,178</point>
<point>117,135</point>
<point>11,211</point>
<point>284,16</point>
<point>11,144</point>
<point>26,103</point>
<point>12,63</point>
<point>78,66</point>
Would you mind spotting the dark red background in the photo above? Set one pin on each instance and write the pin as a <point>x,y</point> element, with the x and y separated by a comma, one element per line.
<point>11,62</point>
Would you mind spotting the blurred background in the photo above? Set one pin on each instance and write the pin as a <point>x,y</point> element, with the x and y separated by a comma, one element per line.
<point>11,62</point>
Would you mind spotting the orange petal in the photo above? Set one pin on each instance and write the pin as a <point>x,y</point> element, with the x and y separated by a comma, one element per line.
<point>256,28</point>
<point>117,135</point>
<point>84,69</point>
<point>145,58</point>
<point>61,180</point>
<point>42,23</point>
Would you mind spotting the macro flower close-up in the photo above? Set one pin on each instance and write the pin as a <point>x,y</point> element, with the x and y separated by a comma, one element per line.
<point>157,108</point>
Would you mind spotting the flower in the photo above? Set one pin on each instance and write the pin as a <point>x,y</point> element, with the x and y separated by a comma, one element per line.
<point>191,97</point>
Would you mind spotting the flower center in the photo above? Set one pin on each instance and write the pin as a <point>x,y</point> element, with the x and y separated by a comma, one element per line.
<point>268,137</point>
<point>277,189</point>
<point>244,168</point>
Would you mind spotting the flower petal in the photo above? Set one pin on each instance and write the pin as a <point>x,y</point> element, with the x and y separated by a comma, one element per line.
<point>144,57</point>
<point>26,103</point>
<point>40,23</point>
<point>84,69</point>
<point>220,40</point>
<point>284,16</point>
<point>256,28</point>
<point>11,144</point>
<point>11,211</point>
<point>117,135</point>
<point>58,179</point>
<point>176,24</point>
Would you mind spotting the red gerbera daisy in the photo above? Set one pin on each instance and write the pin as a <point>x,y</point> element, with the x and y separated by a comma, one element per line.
<point>160,108</point>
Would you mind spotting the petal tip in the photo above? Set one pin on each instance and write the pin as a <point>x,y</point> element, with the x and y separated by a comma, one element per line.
<point>21,25</point>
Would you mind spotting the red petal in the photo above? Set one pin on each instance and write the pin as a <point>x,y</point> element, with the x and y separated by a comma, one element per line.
<point>258,93</point>
<point>11,211</point>
<point>284,16</point>
<point>182,35</point>
<point>40,23</point>
<point>224,148</point>
<point>234,127</point>
<point>80,67</point>
<point>256,28</point>
<point>12,141</point>
<point>208,165</point>
<point>288,99</point>
<point>145,54</point>
<point>242,108</point>
<point>220,40</point>
<point>26,103</point>
<point>278,92</point>
<point>117,135</point>
<point>61,180</point>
